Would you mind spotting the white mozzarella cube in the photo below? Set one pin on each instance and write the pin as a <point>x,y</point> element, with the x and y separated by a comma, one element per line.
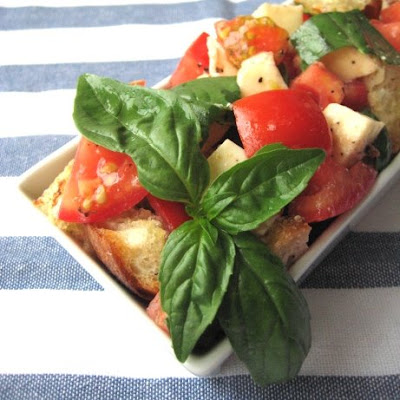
<point>348,63</point>
<point>351,132</point>
<point>259,73</point>
<point>288,17</point>
<point>225,157</point>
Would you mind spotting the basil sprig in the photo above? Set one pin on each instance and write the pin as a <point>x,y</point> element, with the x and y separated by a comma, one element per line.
<point>326,32</point>
<point>208,257</point>
<point>251,192</point>
<point>159,129</point>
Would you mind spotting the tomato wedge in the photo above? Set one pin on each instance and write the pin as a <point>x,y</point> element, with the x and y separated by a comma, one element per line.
<point>245,36</point>
<point>391,13</point>
<point>194,62</point>
<point>323,84</point>
<point>172,213</point>
<point>390,31</point>
<point>290,117</point>
<point>333,190</point>
<point>103,184</point>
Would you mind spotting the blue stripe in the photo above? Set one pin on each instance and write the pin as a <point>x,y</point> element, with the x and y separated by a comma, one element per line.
<point>64,76</point>
<point>27,387</point>
<point>361,260</point>
<point>40,263</point>
<point>17,154</point>
<point>48,17</point>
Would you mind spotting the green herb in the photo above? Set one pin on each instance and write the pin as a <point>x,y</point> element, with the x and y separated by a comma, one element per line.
<point>197,263</point>
<point>264,314</point>
<point>159,129</point>
<point>248,194</point>
<point>326,32</point>
<point>211,99</point>
<point>162,130</point>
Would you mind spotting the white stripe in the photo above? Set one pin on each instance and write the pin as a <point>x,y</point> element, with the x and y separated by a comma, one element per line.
<point>74,3</point>
<point>44,113</point>
<point>99,44</point>
<point>82,333</point>
<point>355,333</point>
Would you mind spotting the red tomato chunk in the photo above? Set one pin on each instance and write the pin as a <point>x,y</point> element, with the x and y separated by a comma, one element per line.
<point>290,117</point>
<point>103,184</point>
<point>193,64</point>
<point>333,190</point>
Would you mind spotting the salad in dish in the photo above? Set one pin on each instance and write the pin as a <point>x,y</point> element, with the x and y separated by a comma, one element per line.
<point>198,196</point>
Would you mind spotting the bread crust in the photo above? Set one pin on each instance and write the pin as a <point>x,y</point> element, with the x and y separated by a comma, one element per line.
<point>130,247</point>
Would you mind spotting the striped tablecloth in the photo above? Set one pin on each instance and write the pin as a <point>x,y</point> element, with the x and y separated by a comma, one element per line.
<point>62,335</point>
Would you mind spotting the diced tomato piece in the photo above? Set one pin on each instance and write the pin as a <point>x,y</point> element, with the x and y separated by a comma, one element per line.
<point>172,213</point>
<point>244,36</point>
<point>157,314</point>
<point>355,95</point>
<point>194,62</point>
<point>323,84</point>
<point>391,13</point>
<point>390,31</point>
<point>103,184</point>
<point>290,117</point>
<point>373,9</point>
<point>333,190</point>
<point>306,17</point>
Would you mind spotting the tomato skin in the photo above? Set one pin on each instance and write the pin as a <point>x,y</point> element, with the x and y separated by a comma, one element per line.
<point>245,36</point>
<point>333,190</point>
<point>355,94</point>
<point>391,13</point>
<point>172,213</point>
<point>324,85</point>
<point>103,184</point>
<point>390,31</point>
<point>290,117</point>
<point>194,62</point>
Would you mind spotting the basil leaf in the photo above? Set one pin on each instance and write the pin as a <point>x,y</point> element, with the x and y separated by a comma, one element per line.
<point>326,32</point>
<point>264,314</point>
<point>196,265</point>
<point>158,129</point>
<point>246,195</point>
<point>210,99</point>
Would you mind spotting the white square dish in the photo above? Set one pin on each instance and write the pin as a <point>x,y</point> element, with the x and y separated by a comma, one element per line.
<point>36,179</point>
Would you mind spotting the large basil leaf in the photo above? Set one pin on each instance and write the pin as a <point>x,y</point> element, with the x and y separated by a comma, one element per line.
<point>211,99</point>
<point>326,32</point>
<point>196,265</point>
<point>246,195</point>
<point>158,129</point>
<point>264,314</point>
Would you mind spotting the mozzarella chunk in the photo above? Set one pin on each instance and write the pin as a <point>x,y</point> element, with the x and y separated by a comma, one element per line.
<point>348,63</point>
<point>351,132</point>
<point>225,157</point>
<point>219,63</point>
<point>288,17</point>
<point>258,74</point>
